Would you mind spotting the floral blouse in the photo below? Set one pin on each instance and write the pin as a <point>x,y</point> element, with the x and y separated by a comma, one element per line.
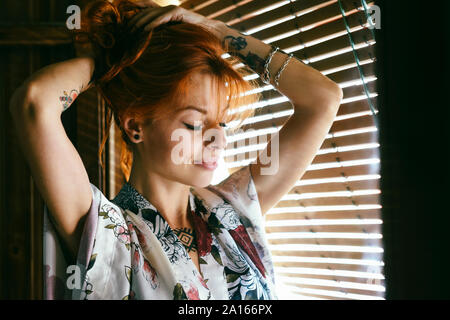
<point>128,250</point>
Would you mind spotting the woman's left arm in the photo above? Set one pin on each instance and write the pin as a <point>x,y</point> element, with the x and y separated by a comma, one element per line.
<point>316,100</point>
<point>306,87</point>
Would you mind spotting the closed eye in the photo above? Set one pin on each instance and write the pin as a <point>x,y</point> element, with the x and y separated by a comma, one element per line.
<point>191,127</point>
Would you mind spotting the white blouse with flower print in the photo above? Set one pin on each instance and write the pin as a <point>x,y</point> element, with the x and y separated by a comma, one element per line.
<point>128,250</point>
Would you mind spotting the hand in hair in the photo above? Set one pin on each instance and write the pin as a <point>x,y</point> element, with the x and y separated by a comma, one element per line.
<point>154,15</point>
<point>147,3</point>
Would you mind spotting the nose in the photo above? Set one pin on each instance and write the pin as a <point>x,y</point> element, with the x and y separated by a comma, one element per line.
<point>215,138</point>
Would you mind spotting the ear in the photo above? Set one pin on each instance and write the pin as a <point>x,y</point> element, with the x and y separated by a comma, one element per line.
<point>133,127</point>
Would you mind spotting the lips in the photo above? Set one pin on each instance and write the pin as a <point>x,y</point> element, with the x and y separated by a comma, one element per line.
<point>208,165</point>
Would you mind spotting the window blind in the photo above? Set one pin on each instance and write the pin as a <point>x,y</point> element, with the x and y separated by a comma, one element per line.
<point>325,234</point>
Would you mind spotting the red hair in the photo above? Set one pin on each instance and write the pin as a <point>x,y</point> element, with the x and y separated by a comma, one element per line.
<point>145,72</point>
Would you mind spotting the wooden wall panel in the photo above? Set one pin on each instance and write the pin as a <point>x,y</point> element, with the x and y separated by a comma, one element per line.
<point>21,206</point>
<point>15,183</point>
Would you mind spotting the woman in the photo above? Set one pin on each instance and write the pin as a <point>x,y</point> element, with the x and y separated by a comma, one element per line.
<point>168,234</point>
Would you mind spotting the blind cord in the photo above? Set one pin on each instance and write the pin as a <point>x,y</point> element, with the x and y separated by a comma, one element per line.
<point>364,4</point>
<point>366,91</point>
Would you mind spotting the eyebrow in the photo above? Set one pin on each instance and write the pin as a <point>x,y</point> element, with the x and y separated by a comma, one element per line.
<point>195,108</point>
<point>191,107</point>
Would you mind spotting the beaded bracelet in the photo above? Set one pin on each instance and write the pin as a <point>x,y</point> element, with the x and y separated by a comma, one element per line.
<point>277,77</point>
<point>266,75</point>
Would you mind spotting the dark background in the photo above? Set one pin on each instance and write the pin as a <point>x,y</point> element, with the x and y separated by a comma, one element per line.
<point>413,57</point>
<point>33,34</point>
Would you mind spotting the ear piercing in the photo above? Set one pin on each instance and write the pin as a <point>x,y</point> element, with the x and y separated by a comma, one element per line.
<point>136,136</point>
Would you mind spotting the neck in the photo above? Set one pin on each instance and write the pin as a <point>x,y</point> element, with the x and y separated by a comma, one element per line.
<point>169,197</point>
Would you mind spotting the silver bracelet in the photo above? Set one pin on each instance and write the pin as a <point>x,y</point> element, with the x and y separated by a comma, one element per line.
<point>266,74</point>
<point>277,77</point>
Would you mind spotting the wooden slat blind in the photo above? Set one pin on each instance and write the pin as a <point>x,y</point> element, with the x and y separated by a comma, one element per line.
<point>325,234</point>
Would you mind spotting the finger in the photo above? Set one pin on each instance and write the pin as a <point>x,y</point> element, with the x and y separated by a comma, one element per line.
<point>139,15</point>
<point>146,12</point>
<point>147,3</point>
<point>149,16</point>
<point>161,20</point>
<point>139,3</point>
<point>173,14</point>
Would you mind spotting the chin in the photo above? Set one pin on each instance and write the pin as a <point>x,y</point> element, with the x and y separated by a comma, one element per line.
<point>200,177</point>
<point>196,176</point>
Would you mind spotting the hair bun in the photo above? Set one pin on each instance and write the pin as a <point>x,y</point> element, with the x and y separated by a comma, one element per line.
<point>104,28</point>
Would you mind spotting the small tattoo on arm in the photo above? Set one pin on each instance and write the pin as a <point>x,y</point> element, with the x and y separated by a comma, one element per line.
<point>238,43</point>
<point>68,98</point>
<point>255,62</point>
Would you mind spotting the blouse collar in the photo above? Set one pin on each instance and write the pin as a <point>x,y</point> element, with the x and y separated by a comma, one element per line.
<point>129,198</point>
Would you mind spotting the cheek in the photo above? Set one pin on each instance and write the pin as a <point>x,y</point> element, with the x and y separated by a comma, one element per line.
<point>165,144</point>
<point>157,146</point>
<point>182,146</point>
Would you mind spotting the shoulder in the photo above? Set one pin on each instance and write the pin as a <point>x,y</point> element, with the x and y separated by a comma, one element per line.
<point>239,190</point>
<point>239,186</point>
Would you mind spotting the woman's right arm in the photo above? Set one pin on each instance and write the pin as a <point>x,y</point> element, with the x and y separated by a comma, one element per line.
<point>57,169</point>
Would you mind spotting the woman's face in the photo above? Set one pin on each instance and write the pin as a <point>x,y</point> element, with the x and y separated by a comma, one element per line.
<point>186,148</point>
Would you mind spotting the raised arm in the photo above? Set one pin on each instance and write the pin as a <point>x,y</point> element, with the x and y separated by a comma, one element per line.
<point>55,165</point>
<point>316,100</point>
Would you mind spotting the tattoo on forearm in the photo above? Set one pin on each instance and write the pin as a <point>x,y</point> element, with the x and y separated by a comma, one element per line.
<point>238,43</point>
<point>68,98</point>
<point>255,62</point>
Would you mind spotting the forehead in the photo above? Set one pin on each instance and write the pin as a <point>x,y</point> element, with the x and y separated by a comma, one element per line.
<point>205,95</point>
